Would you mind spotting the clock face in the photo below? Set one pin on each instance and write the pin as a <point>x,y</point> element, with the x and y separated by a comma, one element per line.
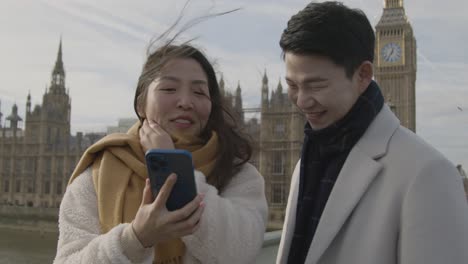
<point>391,52</point>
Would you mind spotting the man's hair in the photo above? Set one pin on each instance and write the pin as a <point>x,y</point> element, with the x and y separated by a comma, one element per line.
<point>332,30</point>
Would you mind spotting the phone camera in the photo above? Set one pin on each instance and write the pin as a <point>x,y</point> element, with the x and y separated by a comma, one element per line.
<point>158,163</point>
<point>163,163</point>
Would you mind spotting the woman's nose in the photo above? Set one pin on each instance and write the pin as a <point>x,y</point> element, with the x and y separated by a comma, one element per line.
<point>185,101</point>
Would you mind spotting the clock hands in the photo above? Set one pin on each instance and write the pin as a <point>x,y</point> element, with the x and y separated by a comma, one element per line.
<point>391,52</point>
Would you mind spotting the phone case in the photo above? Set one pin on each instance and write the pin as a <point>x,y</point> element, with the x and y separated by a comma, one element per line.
<point>161,163</point>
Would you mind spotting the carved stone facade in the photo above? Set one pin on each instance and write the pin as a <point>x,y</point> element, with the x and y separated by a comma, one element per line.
<point>37,161</point>
<point>395,62</point>
<point>277,141</point>
<point>281,138</point>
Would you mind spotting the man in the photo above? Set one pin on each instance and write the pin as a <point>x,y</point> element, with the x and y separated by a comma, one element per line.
<point>366,190</point>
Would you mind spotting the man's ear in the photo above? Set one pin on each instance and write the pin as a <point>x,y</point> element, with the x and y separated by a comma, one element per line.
<point>365,73</point>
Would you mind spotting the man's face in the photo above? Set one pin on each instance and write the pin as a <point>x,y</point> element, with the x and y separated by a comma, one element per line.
<point>320,88</point>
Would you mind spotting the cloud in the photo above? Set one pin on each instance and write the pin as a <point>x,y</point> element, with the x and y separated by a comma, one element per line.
<point>454,10</point>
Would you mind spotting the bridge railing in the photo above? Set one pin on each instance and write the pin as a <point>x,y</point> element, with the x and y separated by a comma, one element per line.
<point>269,250</point>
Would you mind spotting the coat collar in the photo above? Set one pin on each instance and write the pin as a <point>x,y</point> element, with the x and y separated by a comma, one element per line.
<point>376,139</point>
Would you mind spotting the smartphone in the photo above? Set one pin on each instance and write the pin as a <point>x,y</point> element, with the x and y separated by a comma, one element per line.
<point>161,163</point>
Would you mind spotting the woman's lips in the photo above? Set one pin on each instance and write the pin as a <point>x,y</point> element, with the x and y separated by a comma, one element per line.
<point>182,123</point>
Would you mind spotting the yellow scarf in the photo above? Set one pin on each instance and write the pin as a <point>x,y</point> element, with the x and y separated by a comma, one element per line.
<point>119,174</point>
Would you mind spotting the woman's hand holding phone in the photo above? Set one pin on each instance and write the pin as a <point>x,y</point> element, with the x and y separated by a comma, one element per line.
<point>152,135</point>
<point>154,224</point>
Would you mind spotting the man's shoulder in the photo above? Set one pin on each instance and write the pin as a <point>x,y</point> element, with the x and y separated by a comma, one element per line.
<point>407,139</point>
<point>387,129</point>
<point>406,145</point>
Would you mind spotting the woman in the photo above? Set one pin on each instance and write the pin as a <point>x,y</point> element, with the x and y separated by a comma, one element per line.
<point>108,215</point>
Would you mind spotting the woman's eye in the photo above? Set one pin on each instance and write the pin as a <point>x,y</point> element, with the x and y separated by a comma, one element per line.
<point>167,89</point>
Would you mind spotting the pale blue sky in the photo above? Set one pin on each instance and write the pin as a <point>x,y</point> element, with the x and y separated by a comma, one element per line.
<point>104,46</point>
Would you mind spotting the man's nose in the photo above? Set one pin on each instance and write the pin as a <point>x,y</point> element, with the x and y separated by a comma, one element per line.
<point>304,100</point>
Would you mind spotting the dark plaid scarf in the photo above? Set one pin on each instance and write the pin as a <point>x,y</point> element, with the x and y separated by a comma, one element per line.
<point>323,155</point>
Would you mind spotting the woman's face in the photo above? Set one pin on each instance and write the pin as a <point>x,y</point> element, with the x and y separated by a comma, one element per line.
<point>179,98</point>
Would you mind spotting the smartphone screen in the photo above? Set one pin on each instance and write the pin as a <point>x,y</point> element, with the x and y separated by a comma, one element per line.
<point>161,163</point>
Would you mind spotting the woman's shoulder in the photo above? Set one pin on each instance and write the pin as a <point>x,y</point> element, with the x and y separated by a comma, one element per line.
<point>248,173</point>
<point>247,183</point>
<point>80,196</point>
<point>249,168</point>
<point>83,183</point>
<point>245,167</point>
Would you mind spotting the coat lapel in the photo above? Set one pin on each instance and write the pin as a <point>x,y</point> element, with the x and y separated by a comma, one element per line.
<point>290,220</point>
<point>356,175</point>
<point>358,172</point>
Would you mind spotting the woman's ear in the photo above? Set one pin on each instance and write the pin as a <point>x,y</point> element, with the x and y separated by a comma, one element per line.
<point>141,107</point>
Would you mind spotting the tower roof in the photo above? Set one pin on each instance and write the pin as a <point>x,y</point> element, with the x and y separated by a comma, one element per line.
<point>58,69</point>
<point>14,114</point>
<point>393,3</point>
<point>265,78</point>
<point>279,88</point>
<point>221,84</point>
<point>393,14</point>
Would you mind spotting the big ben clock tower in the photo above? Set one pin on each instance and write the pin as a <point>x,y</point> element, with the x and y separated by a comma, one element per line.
<point>395,62</point>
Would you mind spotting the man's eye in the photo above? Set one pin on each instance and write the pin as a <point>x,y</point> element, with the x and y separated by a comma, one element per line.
<point>316,87</point>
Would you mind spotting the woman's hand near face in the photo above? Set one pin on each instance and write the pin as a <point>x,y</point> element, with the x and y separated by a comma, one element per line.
<point>155,224</point>
<point>152,135</point>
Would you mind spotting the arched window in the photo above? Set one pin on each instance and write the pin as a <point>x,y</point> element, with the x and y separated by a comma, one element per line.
<point>278,162</point>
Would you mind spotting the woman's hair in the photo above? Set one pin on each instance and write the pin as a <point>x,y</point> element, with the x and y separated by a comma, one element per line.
<point>234,146</point>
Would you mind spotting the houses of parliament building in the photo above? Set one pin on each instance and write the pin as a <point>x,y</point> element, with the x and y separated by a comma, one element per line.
<point>36,162</point>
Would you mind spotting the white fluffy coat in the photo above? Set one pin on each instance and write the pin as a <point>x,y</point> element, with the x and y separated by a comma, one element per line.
<point>231,228</point>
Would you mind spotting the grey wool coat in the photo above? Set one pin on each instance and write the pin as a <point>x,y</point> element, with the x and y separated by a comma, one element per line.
<point>396,200</point>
